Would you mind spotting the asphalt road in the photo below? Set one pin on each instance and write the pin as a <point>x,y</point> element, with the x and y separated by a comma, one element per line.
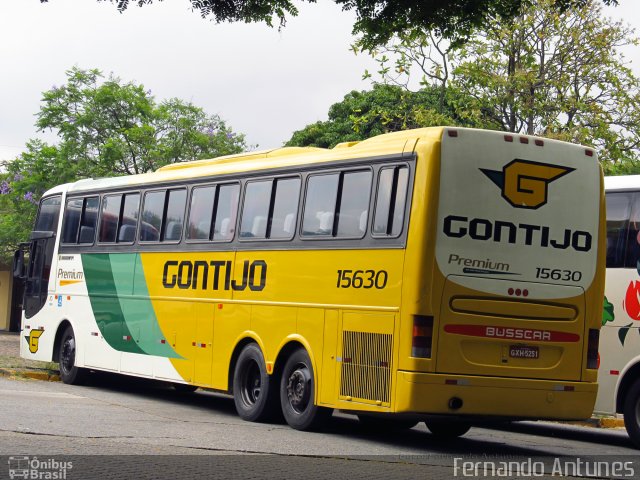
<point>122,419</point>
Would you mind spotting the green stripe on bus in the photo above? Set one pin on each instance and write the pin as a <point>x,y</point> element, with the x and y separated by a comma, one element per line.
<point>139,315</point>
<point>104,302</point>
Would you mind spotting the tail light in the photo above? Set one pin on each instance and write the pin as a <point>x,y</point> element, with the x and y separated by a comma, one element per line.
<point>592,349</point>
<point>422,336</point>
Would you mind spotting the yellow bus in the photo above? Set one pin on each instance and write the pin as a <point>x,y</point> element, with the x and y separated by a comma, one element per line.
<point>444,275</point>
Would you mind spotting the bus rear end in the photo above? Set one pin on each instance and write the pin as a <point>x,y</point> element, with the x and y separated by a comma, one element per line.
<point>508,324</point>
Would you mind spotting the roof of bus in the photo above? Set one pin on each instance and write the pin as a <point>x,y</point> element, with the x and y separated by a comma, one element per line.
<point>622,182</point>
<point>390,143</point>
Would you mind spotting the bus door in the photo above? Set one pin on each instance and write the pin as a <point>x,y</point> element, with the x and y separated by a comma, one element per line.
<point>41,256</point>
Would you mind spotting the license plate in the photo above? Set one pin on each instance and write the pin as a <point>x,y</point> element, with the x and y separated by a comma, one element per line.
<point>522,351</point>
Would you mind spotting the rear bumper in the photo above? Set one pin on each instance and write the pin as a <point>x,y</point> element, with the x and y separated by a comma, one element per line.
<point>427,393</point>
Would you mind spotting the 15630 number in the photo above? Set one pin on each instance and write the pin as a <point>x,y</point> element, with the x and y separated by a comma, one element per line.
<point>362,279</point>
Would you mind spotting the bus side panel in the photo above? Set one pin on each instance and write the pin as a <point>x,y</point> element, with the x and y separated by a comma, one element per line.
<point>327,384</point>
<point>177,283</point>
<point>230,322</point>
<point>304,285</point>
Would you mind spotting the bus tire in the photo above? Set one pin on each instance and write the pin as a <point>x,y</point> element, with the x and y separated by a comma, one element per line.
<point>254,391</point>
<point>297,394</point>
<point>447,430</point>
<point>631,413</point>
<point>69,372</point>
<point>381,424</point>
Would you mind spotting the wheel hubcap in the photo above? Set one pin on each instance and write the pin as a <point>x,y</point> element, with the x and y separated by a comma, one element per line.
<point>299,388</point>
<point>252,385</point>
<point>68,357</point>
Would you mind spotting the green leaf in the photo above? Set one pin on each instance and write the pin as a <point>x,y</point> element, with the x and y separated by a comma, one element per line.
<point>622,333</point>
<point>607,314</point>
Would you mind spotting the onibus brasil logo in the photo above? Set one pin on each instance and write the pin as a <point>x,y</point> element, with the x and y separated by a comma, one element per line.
<point>34,468</point>
<point>525,183</point>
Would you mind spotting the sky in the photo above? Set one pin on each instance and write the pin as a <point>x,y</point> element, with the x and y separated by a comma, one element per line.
<point>263,82</point>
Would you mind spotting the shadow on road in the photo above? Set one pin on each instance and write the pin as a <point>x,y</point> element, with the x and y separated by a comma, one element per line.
<point>493,443</point>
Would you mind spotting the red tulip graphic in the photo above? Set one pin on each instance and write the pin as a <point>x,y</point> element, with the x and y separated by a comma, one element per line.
<point>631,302</point>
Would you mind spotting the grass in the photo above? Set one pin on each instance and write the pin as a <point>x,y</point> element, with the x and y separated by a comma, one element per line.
<point>17,362</point>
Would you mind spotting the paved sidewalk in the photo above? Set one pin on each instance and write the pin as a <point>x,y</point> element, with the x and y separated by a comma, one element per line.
<point>12,365</point>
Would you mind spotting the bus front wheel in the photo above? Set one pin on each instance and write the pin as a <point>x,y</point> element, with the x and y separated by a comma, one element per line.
<point>254,392</point>
<point>297,394</point>
<point>632,413</point>
<point>69,372</point>
<point>447,429</point>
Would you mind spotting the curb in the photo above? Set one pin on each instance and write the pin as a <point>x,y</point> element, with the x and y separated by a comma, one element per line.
<point>610,423</point>
<point>47,376</point>
<point>596,422</point>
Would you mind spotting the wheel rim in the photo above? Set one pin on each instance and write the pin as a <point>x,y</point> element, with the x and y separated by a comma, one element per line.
<point>68,355</point>
<point>299,388</point>
<point>251,384</point>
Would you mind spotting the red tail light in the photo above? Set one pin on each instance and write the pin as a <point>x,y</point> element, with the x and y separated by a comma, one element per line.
<point>422,336</point>
<point>592,349</point>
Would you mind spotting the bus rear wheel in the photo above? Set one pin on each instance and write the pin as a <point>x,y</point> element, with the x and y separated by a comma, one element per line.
<point>69,372</point>
<point>632,413</point>
<point>254,392</point>
<point>447,430</point>
<point>297,394</point>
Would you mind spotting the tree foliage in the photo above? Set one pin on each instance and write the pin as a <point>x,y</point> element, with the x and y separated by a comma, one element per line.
<point>387,108</point>
<point>105,127</point>
<point>108,127</point>
<point>559,75</point>
<point>377,20</point>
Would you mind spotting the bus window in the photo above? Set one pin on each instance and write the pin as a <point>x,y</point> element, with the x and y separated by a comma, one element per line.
<point>72,214</point>
<point>109,218</point>
<point>354,204</point>
<point>201,213</point>
<point>174,217</point>
<point>226,211</point>
<point>47,220</point>
<point>89,219</point>
<point>152,216</point>
<point>390,202</point>
<point>320,204</point>
<point>632,254</point>
<point>255,210</point>
<point>80,217</point>
<point>618,213</point>
<point>285,208</point>
<point>129,221</point>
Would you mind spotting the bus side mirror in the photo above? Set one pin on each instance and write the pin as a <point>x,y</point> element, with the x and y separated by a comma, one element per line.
<point>18,265</point>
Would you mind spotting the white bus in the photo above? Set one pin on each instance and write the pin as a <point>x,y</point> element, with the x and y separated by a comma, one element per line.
<point>619,372</point>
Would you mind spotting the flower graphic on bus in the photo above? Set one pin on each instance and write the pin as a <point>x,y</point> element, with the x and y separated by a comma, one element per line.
<point>631,305</point>
<point>631,302</point>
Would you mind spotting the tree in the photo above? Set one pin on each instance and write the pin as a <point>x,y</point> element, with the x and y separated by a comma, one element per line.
<point>23,182</point>
<point>385,108</point>
<point>106,128</point>
<point>377,20</point>
<point>544,73</point>
<point>558,75</point>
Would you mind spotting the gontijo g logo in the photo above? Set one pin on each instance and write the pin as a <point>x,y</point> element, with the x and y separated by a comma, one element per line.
<point>525,183</point>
